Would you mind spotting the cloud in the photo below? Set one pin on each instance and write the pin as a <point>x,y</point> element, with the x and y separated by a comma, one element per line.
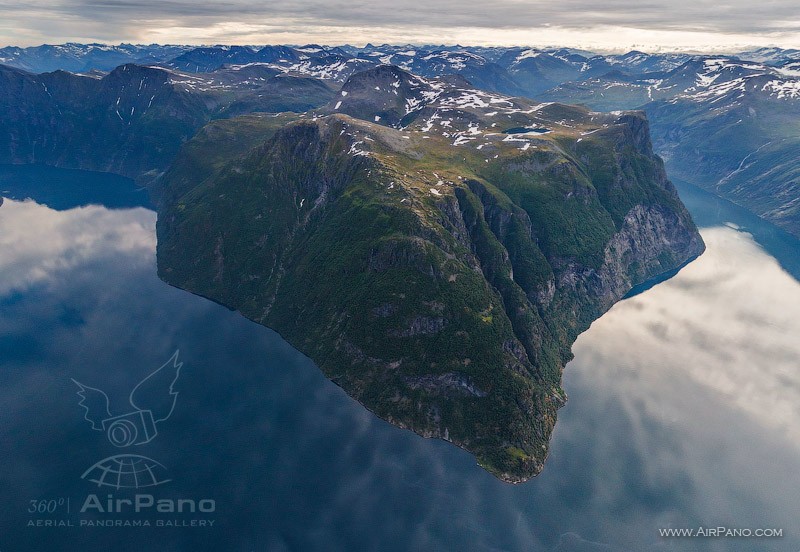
<point>504,22</point>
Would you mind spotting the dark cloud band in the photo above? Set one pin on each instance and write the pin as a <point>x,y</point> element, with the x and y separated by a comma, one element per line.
<point>130,18</point>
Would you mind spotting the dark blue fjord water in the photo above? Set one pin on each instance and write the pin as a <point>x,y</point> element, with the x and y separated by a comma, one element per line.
<point>684,407</point>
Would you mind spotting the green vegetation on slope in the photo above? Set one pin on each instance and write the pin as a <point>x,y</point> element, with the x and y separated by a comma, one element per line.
<point>439,287</point>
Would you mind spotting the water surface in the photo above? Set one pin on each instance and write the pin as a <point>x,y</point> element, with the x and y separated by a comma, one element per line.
<point>683,408</point>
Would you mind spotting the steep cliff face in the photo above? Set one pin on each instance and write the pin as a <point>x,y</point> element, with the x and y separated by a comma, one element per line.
<point>440,285</point>
<point>724,123</point>
<point>741,146</point>
<point>133,120</point>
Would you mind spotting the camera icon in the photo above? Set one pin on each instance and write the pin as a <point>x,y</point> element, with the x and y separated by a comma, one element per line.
<point>134,428</point>
<point>153,400</point>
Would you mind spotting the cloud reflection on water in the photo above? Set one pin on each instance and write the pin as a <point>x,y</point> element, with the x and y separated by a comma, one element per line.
<point>37,243</point>
<point>729,322</point>
<point>685,400</point>
<point>682,411</point>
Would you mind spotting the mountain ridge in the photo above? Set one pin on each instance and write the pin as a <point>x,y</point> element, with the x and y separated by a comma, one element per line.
<point>695,103</point>
<point>437,272</point>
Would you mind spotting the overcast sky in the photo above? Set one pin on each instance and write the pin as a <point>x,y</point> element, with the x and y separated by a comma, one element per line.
<point>610,24</point>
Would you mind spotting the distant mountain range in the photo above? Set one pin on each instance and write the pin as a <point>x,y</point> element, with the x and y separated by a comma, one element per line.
<point>726,123</point>
<point>79,58</point>
<point>133,120</point>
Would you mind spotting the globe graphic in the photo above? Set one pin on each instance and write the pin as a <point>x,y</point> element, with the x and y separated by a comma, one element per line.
<point>126,471</point>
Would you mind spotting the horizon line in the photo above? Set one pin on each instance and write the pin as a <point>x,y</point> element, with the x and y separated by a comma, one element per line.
<point>648,49</point>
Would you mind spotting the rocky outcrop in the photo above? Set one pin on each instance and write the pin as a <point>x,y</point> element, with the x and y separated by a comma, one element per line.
<point>133,120</point>
<point>440,288</point>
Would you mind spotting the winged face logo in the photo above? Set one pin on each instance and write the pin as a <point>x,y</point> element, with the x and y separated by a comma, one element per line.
<point>152,401</point>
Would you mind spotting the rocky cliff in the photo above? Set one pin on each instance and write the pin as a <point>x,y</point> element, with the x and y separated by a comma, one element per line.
<point>437,268</point>
<point>133,120</point>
